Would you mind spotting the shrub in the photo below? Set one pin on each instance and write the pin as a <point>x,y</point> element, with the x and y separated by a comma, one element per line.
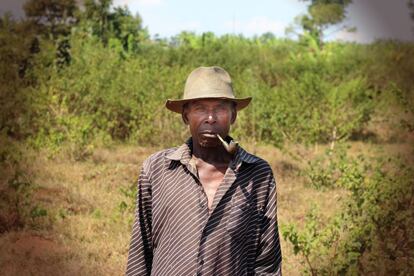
<point>372,232</point>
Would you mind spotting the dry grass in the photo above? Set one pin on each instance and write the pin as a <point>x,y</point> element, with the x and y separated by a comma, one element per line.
<point>86,233</point>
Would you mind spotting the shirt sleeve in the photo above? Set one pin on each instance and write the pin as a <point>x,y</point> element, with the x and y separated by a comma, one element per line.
<point>140,251</point>
<point>269,258</point>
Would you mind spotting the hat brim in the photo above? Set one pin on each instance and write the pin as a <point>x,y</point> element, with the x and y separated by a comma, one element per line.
<point>177,105</point>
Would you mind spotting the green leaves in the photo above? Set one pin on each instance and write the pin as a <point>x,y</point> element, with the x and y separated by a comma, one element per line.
<point>373,229</point>
<point>53,17</point>
<point>321,15</point>
<point>327,13</point>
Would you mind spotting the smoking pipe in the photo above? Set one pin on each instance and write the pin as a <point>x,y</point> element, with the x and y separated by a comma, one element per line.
<point>230,148</point>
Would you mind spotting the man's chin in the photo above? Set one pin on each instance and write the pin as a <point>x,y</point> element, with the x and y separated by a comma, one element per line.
<point>209,144</point>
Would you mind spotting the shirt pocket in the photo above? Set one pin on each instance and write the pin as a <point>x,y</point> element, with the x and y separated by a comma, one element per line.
<point>239,220</point>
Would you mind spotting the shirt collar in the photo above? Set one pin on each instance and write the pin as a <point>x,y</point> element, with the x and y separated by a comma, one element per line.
<point>183,154</point>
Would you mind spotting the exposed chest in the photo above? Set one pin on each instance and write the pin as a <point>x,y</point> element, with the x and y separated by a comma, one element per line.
<point>211,176</point>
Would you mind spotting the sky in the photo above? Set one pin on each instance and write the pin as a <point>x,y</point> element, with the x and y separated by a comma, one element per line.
<point>373,19</point>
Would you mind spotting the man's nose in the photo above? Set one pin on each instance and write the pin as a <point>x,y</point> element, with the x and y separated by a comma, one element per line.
<point>211,118</point>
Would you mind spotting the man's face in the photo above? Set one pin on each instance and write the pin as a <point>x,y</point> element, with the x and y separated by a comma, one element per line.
<point>209,117</point>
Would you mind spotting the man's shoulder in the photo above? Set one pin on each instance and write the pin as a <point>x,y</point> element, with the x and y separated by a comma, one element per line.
<point>258,165</point>
<point>159,156</point>
<point>261,166</point>
<point>255,160</point>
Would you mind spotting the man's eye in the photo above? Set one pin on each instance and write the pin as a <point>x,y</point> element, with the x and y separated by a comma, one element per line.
<point>221,109</point>
<point>199,109</point>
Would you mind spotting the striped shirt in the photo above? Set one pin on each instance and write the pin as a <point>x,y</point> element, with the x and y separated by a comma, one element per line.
<point>174,232</point>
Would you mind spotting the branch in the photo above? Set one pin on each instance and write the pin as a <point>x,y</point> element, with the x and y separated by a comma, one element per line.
<point>313,272</point>
<point>340,28</point>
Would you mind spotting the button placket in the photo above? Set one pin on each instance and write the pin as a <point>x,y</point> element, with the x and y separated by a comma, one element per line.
<point>203,200</point>
<point>200,266</point>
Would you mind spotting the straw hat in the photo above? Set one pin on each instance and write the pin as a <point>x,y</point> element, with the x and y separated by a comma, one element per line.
<point>207,83</point>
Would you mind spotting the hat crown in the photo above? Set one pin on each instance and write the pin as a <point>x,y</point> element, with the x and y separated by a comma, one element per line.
<point>208,82</point>
<point>205,83</point>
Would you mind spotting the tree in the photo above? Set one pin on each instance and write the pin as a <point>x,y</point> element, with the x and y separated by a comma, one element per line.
<point>321,15</point>
<point>186,39</point>
<point>54,17</point>
<point>117,23</point>
<point>126,28</point>
<point>19,45</point>
<point>96,14</point>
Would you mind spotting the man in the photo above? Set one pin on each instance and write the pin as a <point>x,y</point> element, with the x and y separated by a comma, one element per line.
<point>203,210</point>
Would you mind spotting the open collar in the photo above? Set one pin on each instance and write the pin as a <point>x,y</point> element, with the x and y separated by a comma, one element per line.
<point>183,154</point>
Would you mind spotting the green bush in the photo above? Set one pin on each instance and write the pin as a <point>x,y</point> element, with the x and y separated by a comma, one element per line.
<point>105,91</point>
<point>17,208</point>
<point>372,232</point>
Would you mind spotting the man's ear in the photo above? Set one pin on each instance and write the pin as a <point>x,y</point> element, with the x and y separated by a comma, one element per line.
<point>184,116</point>
<point>233,116</point>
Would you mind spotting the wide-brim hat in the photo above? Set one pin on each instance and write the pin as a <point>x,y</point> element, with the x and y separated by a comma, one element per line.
<point>207,83</point>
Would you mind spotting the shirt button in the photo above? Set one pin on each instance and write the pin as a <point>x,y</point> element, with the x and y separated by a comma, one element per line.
<point>201,262</point>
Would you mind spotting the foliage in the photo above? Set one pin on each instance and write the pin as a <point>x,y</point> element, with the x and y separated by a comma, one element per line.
<point>17,208</point>
<point>321,15</point>
<point>110,82</point>
<point>128,205</point>
<point>371,234</point>
<point>407,103</point>
<point>336,107</point>
<point>18,46</point>
<point>115,91</point>
<point>52,17</point>
<point>335,169</point>
<point>112,25</point>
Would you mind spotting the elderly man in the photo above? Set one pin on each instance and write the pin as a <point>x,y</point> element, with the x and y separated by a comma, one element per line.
<point>206,207</point>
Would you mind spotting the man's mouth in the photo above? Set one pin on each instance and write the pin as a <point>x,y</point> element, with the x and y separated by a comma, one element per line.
<point>209,134</point>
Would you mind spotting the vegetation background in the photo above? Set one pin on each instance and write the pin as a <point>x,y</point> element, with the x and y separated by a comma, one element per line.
<point>82,95</point>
